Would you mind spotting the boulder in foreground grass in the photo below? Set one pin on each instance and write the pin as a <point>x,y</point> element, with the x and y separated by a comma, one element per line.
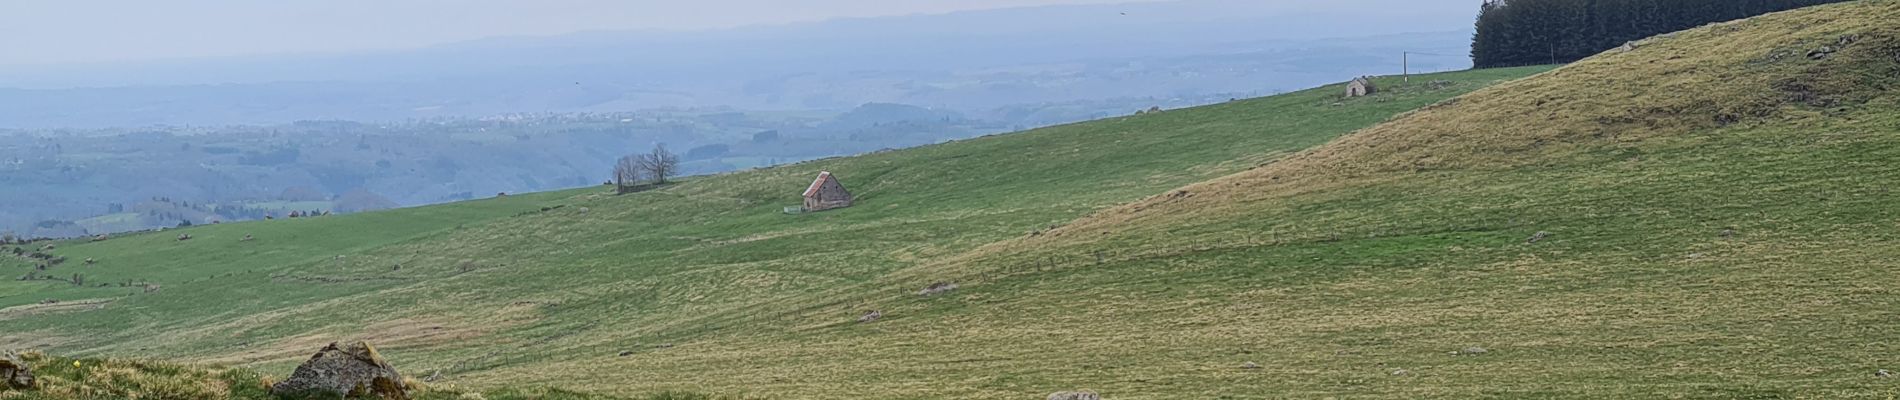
<point>13,373</point>
<point>352,371</point>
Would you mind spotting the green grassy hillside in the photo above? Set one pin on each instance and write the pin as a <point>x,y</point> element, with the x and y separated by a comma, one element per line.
<point>1710,215</point>
<point>704,286</point>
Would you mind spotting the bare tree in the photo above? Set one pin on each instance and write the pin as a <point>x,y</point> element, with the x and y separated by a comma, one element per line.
<point>627,173</point>
<point>660,164</point>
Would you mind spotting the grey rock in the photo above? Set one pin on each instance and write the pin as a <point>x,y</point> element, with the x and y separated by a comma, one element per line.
<point>937,288</point>
<point>352,371</point>
<point>14,373</point>
<point>1820,53</point>
<point>1076,395</point>
<point>874,315</point>
<point>1883,374</point>
<point>1401,372</point>
<point>1540,236</point>
<point>1249,365</point>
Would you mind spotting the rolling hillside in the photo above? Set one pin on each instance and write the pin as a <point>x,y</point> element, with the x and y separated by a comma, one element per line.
<point>550,289</point>
<point>1707,214</point>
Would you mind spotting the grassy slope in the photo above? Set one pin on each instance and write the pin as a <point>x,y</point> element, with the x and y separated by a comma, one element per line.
<point>709,266</point>
<point>59,378</point>
<point>1720,223</point>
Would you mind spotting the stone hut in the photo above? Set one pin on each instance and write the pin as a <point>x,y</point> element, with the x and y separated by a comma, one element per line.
<point>1361,86</point>
<point>826,193</point>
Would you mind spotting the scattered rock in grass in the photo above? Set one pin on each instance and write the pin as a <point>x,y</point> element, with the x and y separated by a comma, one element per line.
<point>663,345</point>
<point>351,371</point>
<point>1728,233</point>
<point>14,374</point>
<point>937,288</point>
<point>1249,365</point>
<point>184,237</point>
<point>49,301</point>
<point>1076,395</point>
<point>873,315</point>
<point>1401,372</point>
<point>99,238</point>
<point>584,210</point>
<point>90,261</point>
<point>247,238</point>
<point>435,376</point>
<point>625,353</point>
<point>1883,374</point>
<point>1472,351</point>
<point>1820,53</point>
<point>1540,236</point>
<point>48,247</point>
<point>1627,47</point>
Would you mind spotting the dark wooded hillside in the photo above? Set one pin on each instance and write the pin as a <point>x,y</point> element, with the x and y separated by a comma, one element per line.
<point>1528,32</point>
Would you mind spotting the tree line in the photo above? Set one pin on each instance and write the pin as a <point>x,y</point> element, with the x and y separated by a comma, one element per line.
<point>1527,32</point>
<point>640,171</point>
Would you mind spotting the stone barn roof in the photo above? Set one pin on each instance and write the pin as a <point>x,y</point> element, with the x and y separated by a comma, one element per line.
<point>818,183</point>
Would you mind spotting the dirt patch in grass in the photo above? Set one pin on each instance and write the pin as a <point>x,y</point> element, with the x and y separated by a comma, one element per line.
<point>53,308</point>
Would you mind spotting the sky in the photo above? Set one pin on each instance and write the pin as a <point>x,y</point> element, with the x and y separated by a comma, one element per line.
<point>54,32</point>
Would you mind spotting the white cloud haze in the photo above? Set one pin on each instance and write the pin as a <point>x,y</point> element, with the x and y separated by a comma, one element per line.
<point>67,31</point>
<point>48,32</point>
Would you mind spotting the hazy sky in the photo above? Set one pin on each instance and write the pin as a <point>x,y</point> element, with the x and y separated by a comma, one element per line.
<point>89,31</point>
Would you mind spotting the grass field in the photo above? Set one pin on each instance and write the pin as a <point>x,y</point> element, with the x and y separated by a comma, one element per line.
<point>547,289</point>
<point>1707,216</point>
<point>69,378</point>
<point>1715,219</point>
